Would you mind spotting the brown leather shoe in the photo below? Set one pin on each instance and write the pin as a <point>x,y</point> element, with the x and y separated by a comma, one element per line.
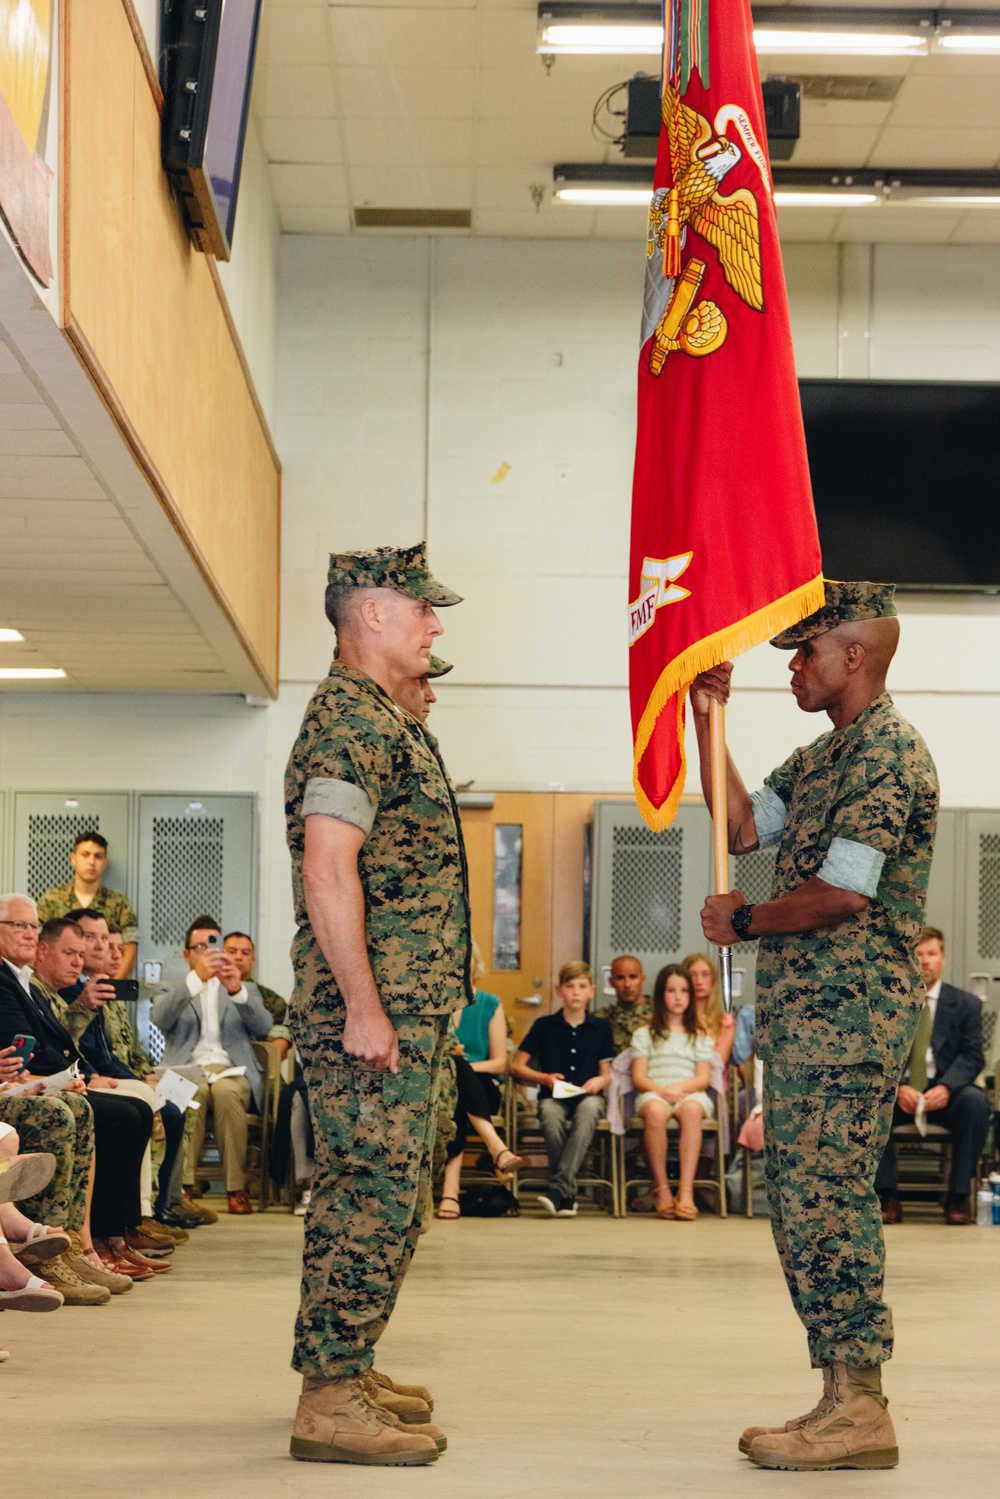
<point>336,1422</point>
<point>956,1210</point>
<point>188,1208</point>
<point>240,1203</point>
<point>892,1210</point>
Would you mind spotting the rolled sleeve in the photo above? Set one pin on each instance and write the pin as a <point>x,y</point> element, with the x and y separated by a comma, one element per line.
<point>852,866</point>
<point>769,813</point>
<point>340,799</point>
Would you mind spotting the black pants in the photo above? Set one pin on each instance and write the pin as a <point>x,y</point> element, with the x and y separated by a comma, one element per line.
<point>478,1094</point>
<point>967,1115</point>
<point>173,1129</point>
<point>122,1127</point>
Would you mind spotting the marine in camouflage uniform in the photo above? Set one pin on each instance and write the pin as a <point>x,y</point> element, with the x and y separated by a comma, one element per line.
<point>361,759</point>
<point>837,1007</point>
<point>62,1123</point>
<point>626,1019</point>
<point>113,905</point>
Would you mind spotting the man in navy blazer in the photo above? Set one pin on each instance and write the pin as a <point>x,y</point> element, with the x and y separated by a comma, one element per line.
<point>209,1021</point>
<point>945,1073</point>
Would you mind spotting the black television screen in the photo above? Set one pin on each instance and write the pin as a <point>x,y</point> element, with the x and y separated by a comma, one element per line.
<point>207,66</point>
<point>906,479</point>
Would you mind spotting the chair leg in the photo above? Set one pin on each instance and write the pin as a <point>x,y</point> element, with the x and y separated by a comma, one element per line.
<point>720,1177</point>
<point>747,1182</point>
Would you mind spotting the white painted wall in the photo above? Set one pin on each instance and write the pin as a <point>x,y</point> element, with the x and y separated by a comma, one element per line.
<point>532,349</point>
<point>250,277</point>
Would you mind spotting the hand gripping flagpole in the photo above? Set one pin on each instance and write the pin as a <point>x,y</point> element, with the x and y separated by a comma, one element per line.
<point>720,831</point>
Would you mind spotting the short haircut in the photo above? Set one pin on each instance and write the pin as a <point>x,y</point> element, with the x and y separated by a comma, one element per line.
<point>245,935</point>
<point>55,926</point>
<point>625,957</point>
<point>201,924</point>
<point>97,838</point>
<point>577,969</point>
<point>931,934</point>
<point>114,930</point>
<point>16,898</point>
<point>83,913</point>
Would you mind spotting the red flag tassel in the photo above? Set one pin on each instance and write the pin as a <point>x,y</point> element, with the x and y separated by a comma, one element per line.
<point>672,237</point>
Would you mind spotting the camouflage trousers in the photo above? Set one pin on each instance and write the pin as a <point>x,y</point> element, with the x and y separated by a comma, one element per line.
<point>824,1132</point>
<point>63,1124</point>
<point>374,1134</point>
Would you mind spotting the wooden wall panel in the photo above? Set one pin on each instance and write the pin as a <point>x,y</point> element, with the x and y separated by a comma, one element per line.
<point>146,315</point>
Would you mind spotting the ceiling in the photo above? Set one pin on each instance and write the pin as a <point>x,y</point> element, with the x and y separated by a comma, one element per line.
<point>445,105</point>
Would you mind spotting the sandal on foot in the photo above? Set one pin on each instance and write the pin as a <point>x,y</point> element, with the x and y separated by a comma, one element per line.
<point>442,1214</point>
<point>42,1243</point>
<point>25,1175</point>
<point>36,1296</point>
<point>664,1209</point>
<point>506,1164</point>
<point>685,1211</point>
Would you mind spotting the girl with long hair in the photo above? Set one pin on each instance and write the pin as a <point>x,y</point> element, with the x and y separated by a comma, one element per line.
<point>712,1016</point>
<point>673,1061</point>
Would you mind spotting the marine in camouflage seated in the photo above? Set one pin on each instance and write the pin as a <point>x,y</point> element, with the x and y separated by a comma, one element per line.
<point>382,957</point>
<point>86,892</point>
<point>839,991</point>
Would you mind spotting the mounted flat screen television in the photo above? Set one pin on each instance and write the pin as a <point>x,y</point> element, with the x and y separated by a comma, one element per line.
<point>206,68</point>
<point>906,479</point>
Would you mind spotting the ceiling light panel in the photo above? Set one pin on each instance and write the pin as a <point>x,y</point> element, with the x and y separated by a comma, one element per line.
<point>9,636</point>
<point>30,673</point>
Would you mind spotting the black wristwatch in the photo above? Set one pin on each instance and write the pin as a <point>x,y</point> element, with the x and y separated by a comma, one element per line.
<point>740,922</point>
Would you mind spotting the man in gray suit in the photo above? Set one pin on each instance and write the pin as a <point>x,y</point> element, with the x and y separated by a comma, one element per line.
<point>208,1021</point>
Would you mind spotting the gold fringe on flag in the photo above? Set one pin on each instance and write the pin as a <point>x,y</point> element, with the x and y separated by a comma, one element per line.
<point>676,679</point>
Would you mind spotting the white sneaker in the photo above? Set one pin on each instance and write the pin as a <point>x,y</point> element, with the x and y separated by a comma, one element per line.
<point>569,1212</point>
<point>303,1203</point>
<point>550,1204</point>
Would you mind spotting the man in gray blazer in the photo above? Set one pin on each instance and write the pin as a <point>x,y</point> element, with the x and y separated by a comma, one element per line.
<point>208,1021</point>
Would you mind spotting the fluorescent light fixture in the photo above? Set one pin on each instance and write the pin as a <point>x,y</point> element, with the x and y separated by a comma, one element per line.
<point>981,42</point>
<point>10,635</point>
<point>805,43</point>
<point>806,199</point>
<point>606,197</point>
<point>953,200</point>
<point>30,673</point>
<point>584,37</point>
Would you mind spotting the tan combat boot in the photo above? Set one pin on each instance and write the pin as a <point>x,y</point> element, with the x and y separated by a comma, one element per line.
<point>62,1274</point>
<point>854,1432</point>
<point>753,1432</point>
<point>93,1275</point>
<point>409,1409</point>
<point>336,1422</point>
<point>419,1391</point>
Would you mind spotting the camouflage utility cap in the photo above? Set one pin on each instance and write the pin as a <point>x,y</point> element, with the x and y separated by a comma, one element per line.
<point>403,568</point>
<point>438,668</point>
<point>845,603</point>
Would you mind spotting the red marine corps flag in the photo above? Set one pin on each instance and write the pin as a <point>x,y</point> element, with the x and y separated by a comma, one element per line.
<point>725,551</point>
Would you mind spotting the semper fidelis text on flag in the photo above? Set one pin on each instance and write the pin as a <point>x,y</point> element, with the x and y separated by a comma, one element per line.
<point>724,551</point>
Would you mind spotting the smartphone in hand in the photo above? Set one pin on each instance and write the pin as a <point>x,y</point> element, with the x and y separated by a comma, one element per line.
<point>24,1049</point>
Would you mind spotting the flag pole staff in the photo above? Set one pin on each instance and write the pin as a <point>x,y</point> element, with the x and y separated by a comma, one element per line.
<point>720,831</point>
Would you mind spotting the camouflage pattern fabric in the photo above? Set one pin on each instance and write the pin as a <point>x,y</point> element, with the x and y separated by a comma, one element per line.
<point>113,905</point>
<point>276,1006</point>
<point>851,993</point>
<point>824,1132</point>
<point>844,603</point>
<point>75,1016</point>
<point>359,752</point>
<point>625,1020</point>
<point>62,1123</point>
<point>373,1136</point>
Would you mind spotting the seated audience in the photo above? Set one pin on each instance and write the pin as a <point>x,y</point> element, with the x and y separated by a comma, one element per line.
<point>673,1062</point>
<point>632,1006</point>
<point>208,1020</point>
<point>713,1017</point>
<point>240,949</point>
<point>99,1023</point>
<point>122,1126</point>
<point>21,1176</point>
<point>575,1047</point>
<point>939,1078</point>
<point>85,892</point>
<point>480,1058</point>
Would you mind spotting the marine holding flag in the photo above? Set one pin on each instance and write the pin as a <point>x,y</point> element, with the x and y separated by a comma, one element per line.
<point>725,552</point>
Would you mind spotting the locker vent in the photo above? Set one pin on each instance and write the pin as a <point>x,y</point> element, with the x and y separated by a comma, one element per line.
<point>646,890</point>
<point>754,875</point>
<point>187,875</point>
<point>50,842</point>
<point>989,895</point>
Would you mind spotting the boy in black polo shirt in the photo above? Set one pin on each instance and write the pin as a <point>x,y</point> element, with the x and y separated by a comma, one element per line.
<point>570,1047</point>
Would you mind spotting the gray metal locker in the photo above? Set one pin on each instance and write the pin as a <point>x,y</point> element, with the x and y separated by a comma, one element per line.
<point>754,875</point>
<point>648,887</point>
<point>197,857</point>
<point>45,825</point>
<point>944,893</point>
<point>982,922</point>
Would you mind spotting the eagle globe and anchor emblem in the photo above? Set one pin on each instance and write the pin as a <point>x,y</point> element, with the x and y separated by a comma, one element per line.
<point>700,159</point>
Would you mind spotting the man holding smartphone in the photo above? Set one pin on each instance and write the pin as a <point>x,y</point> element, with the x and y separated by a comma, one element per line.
<point>208,1021</point>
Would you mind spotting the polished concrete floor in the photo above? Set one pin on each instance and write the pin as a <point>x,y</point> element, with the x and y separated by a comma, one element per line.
<point>573,1358</point>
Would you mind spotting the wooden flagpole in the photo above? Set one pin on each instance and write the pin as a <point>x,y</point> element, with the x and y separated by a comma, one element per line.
<point>720,831</point>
